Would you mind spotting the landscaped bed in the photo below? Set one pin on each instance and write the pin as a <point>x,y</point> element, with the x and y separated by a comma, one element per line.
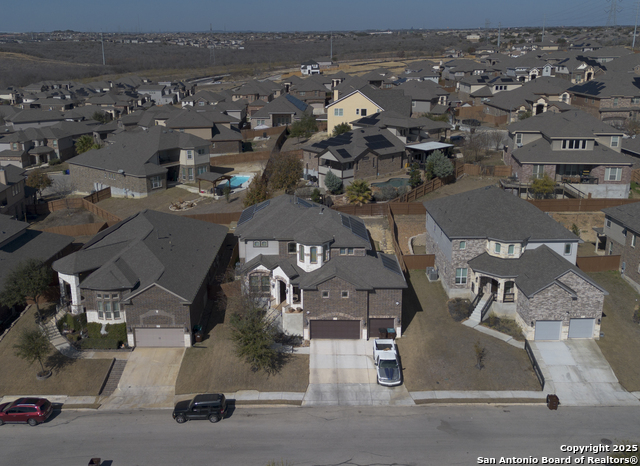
<point>73,377</point>
<point>438,353</point>
<point>621,341</point>
<point>506,326</point>
<point>85,335</point>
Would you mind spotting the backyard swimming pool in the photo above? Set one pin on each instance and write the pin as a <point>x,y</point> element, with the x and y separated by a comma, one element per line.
<point>395,182</point>
<point>236,182</point>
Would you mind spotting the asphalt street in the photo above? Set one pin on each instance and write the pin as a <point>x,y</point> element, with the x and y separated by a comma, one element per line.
<point>419,435</point>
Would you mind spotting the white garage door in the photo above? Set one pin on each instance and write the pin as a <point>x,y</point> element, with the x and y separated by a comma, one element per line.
<point>581,328</point>
<point>160,337</point>
<point>548,329</point>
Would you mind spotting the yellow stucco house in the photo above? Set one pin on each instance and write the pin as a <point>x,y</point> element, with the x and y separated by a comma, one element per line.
<point>366,101</point>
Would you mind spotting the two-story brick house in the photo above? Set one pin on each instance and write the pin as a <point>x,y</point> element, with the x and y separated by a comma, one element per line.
<point>141,162</point>
<point>505,254</point>
<point>152,270</point>
<point>14,195</point>
<point>302,255</point>
<point>622,233</point>
<point>572,148</point>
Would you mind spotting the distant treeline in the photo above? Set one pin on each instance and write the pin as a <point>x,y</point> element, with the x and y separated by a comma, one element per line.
<point>82,60</point>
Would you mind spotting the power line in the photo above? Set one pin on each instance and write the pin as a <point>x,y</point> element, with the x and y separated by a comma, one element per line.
<point>613,11</point>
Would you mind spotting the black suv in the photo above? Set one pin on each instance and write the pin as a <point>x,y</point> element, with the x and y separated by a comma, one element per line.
<point>209,406</point>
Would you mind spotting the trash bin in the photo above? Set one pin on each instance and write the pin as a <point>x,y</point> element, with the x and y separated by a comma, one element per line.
<point>552,401</point>
<point>198,337</point>
<point>391,333</point>
<point>94,462</point>
<point>382,333</point>
<point>66,172</point>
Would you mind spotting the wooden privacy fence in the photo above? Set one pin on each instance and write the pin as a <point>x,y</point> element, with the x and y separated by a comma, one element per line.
<point>86,203</point>
<point>500,171</point>
<point>635,176</point>
<point>86,229</point>
<point>419,261</point>
<point>578,205</point>
<point>98,196</point>
<point>367,210</point>
<point>245,157</point>
<point>598,263</point>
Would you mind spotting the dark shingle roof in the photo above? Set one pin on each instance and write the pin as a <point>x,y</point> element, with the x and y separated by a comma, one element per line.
<point>628,215</point>
<point>494,214</point>
<point>348,146</point>
<point>540,152</point>
<point>148,248</point>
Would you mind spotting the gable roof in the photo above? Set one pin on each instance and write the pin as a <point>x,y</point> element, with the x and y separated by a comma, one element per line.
<point>286,103</point>
<point>492,213</point>
<point>146,249</point>
<point>571,124</point>
<point>628,215</point>
<point>349,146</point>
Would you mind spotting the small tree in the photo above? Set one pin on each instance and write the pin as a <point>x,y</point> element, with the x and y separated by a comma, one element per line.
<point>525,115</point>
<point>85,143</point>
<point>32,346</point>
<point>474,146</point>
<point>481,353</point>
<point>332,182</point>
<point>415,178</point>
<point>340,129</point>
<point>285,172</point>
<point>542,187</point>
<point>252,333</point>
<point>438,165</point>
<point>100,117</point>
<point>38,180</point>
<point>359,192</point>
<point>315,195</point>
<point>227,192</point>
<point>304,127</point>
<point>495,138</point>
<point>257,191</point>
<point>30,279</point>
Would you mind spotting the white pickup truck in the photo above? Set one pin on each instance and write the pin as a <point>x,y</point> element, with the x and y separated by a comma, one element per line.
<point>385,357</point>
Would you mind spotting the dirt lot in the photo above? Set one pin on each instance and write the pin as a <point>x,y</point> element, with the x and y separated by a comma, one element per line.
<point>212,366</point>
<point>586,221</point>
<point>464,184</point>
<point>66,217</point>
<point>73,377</point>
<point>409,226</point>
<point>438,353</point>
<point>621,341</point>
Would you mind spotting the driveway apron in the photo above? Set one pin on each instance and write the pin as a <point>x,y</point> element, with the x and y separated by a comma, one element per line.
<point>148,380</point>
<point>580,374</point>
<point>341,372</point>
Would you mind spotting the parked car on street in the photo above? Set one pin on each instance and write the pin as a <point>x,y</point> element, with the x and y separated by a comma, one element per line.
<point>32,411</point>
<point>212,406</point>
<point>385,357</point>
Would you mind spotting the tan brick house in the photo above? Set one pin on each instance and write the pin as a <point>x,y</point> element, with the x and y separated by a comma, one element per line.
<point>151,270</point>
<point>622,234</point>
<point>301,256</point>
<point>512,259</point>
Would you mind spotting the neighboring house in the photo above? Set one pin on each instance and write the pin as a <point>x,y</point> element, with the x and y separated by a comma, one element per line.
<point>139,163</point>
<point>366,101</point>
<point>281,111</point>
<point>313,92</point>
<point>407,129</point>
<point>380,78</point>
<point>421,71</point>
<point>152,270</point>
<point>14,194</point>
<point>572,148</point>
<point>18,243</point>
<point>501,251</point>
<point>360,153</point>
<point>301,255</point>
<point>426,96</point>
<point>34,118</point>
<point>456,70</point>
<point>310,67</point>
<point>622,233</point>
<point>211,124</point>
<point>256,90</point>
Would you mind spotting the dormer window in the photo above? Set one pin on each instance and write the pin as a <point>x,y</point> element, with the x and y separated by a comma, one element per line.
<point>301,253</point>
<point>574,144</point>
<point>511,249</point>
<point>313,253</point>
<point>518,139</point>
<point>497,248</point>
<point>615,141</point>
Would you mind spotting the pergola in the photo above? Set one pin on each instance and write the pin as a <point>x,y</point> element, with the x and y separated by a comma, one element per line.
<point>213,178</point>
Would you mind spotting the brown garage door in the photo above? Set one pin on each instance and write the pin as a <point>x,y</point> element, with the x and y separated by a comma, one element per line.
<point>343,329</point>
<point>376,324</point>
<point>160,337</point>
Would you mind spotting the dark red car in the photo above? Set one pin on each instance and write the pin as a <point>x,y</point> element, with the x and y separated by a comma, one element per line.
<point>33,411</point>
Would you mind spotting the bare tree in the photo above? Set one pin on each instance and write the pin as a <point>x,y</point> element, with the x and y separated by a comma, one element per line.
<point>495,138</point>
<point>475,146</point>
<point>63,186</point>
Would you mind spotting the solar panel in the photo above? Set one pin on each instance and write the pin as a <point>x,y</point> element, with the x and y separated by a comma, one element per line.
<point>261,206</point>
<point>358,228</point>
<point>247,214</point>
<point>390,263</point>
<point>304,203</point>
<point>344,153</point>
<point>345,221</point>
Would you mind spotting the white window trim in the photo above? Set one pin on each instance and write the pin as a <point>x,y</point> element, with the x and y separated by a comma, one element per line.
<point>325,294</point>
<point>342,294</point>
<point>462,278</point>
<point>463,245</point>
<point>633,240</point>
<point>567,245</point>
<point>608,171</point>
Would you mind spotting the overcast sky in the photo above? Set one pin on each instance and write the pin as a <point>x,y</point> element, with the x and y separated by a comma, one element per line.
<point>302,15</point>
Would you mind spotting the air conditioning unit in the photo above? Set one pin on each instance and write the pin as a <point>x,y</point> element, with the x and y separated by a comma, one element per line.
<point>432,274</point>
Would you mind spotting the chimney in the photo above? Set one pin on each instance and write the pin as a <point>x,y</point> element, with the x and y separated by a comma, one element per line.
<point>3,176</point>
<point>335,95</point>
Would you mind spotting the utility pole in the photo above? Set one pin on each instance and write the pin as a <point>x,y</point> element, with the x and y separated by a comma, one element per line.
<point>487,25</point>
<point>102,42</point>
<point>499,33</point>
<point>544,21</point>
<point>635,29</point>
<point>332,47</point>
<point>613,11</point>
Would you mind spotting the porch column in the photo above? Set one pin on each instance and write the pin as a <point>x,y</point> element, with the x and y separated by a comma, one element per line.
<point>76,297</point>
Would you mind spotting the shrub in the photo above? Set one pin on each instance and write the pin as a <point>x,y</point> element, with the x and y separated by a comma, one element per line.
<point>359,192</point>
<point>117,332</point>
<point>315,195</point>
<point>99,343</point>
<point>340,129</point>
<point>333,183</point>
<point>94,329</point>
<point>386,194</point>
<point>415,178</point>
<point>54,162</point>
<point>438,165</point>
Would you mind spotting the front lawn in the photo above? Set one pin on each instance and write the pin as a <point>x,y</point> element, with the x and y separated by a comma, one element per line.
<point>438,353</point>
<point>621,342</point>
<point>73,377</point>
<point>212,366</point>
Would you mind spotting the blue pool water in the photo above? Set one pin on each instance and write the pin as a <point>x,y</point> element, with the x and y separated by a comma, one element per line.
<point>395,182</point>
<point>236,182</point>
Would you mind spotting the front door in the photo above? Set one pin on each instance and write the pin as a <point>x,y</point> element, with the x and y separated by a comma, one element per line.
<point>283,291</point>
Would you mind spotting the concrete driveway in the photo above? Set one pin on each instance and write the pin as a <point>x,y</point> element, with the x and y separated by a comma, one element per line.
<point>341,372</point>
<point>148,380</point>
<point>577,371</point>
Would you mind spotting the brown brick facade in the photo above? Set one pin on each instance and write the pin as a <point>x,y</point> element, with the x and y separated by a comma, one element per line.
<point>84,179</point>
<point>371,165</point>
<point>353,307</point>
<point>226,147</point>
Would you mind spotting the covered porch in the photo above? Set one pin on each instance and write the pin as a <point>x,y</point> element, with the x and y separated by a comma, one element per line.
<point>422,150</point>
